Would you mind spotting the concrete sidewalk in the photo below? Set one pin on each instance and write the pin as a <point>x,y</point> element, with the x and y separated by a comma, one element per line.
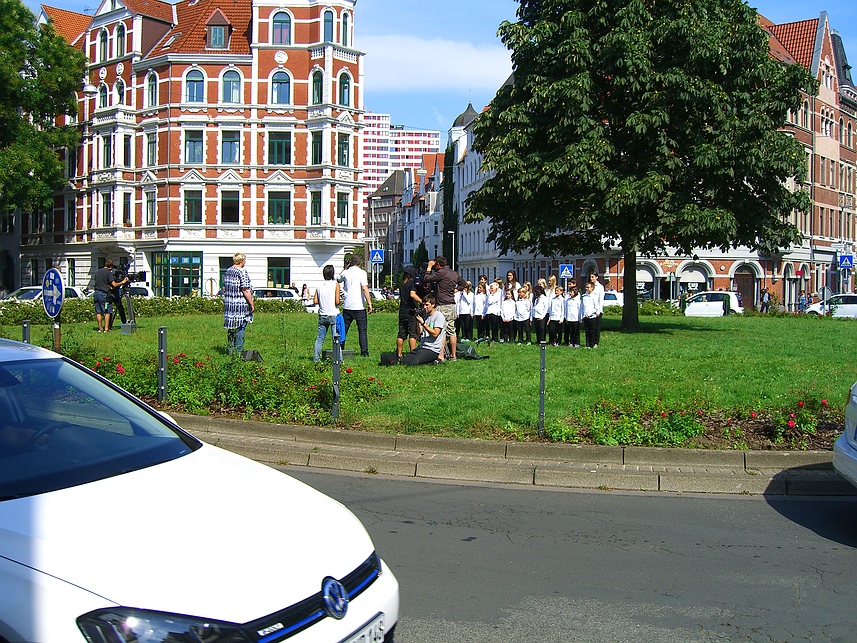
<point>800,473</point>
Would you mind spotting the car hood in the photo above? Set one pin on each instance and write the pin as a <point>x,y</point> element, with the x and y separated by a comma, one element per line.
<point>209,534</point>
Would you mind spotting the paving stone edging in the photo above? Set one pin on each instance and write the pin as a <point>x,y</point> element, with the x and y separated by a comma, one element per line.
<point>539,464</point>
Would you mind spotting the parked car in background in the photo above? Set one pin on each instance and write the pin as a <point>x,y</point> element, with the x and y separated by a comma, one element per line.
<point>613,298</point>
<point>836,306</point>
<point>713,304</point>
<point>95,487</point>
<point>34,293</point>
<point>845,447</point>
<point>282,294</point>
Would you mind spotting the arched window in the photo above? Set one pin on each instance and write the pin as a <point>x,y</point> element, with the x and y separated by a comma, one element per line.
<point>231,87</point>
<point>195,85</point>
<point>120,40</point>
<point>328,26</point>
<point>102,45</point>
<point>841,131</point>
<point>344,89</point>
<point>850,140</point>
<point>317,87</point>
<point>151,90</point>
<point>282,29</point>
<point>345,27</point>
<point>119,88</point>
<point>281,87</point>
<point>805,115</point>
<point>102,96</point>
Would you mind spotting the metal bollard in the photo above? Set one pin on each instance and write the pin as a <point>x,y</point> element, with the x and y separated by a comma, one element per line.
<point>543,350</point>
<point>162,364</point>
<point>337,361</point>
<point>25,331</point>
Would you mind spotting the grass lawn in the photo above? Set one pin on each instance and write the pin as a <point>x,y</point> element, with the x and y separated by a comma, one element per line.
<point>725,369</point>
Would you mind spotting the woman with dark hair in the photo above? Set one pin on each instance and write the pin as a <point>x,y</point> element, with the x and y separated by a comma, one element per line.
<point>511,284</point>
<point>327,298</point>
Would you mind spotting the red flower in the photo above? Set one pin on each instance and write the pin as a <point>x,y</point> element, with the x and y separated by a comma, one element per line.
<point>207,359</point>
<point>199,364</point>
<point>663,414</point>
<point>371,379</point>
<point>348,370</point>
<point>800,403</point>
<point>312,387</point>
<point>699,412</point>
<point>752,414</point>
<point>791,424</point>
<point>824,402</point>
<point>791,415</point>
<point>119,368</point>
<point>97,364</point>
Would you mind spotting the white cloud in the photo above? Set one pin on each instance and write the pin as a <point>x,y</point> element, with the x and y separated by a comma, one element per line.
<point>406,63</point>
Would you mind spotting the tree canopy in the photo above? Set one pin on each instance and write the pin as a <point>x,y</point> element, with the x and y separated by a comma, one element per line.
<point>39,73</point>
<point>642,124</point>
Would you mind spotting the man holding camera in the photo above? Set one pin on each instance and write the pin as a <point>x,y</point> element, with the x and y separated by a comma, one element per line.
<point>443,281</point>
<point>105,282</point>
<point>356,290</point>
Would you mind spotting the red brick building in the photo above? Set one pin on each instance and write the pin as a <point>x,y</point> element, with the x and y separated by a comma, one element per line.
<point>209,128</point>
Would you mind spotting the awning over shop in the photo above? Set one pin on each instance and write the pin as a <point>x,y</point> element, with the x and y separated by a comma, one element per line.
<point>644,276</point>
<point>692,276</point>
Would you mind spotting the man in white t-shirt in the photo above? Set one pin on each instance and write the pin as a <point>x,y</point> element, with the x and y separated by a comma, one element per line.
<point>356,291</point>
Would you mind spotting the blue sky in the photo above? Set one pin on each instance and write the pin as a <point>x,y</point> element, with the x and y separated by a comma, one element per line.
<point>426,59</point>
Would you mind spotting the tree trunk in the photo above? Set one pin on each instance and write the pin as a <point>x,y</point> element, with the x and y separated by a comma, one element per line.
<point>630,311</point>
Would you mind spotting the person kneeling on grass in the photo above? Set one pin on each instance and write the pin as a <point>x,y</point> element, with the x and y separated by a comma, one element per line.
<point>431,335</point>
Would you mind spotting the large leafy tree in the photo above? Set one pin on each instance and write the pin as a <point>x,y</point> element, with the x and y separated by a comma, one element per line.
<point>39,73</point>
<point>642,124</point>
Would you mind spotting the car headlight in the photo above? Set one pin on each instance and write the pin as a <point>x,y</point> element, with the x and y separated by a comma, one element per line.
<point>126,625</point>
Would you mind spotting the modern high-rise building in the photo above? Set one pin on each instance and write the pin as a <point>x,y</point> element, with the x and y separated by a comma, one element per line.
<point>208,129</point>
<point>388,147</point>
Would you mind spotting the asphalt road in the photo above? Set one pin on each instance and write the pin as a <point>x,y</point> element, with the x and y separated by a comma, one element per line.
<point>494,563</point>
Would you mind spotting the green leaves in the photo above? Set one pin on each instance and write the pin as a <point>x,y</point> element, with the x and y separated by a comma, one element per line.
<point>641,124</point>
<point>39,73</point>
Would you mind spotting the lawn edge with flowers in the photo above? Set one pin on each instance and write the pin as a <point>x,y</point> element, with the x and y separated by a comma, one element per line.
<point>629,396</point>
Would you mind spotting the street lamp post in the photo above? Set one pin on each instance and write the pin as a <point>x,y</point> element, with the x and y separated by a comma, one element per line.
<point>452,232</point>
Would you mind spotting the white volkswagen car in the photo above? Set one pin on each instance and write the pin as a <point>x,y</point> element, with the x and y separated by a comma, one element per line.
<point>713,303</point>
<point>845,447</point>
<point>117,526</point>
<point>836,306</point>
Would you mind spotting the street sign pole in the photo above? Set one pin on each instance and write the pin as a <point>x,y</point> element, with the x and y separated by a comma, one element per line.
<point>53,293</point>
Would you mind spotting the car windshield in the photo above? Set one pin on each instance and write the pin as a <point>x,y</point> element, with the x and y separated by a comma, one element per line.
<point>61,426</point>
<point>28,294</point>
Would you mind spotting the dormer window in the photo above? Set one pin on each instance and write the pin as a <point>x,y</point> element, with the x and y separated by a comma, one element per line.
<point>218,29</point>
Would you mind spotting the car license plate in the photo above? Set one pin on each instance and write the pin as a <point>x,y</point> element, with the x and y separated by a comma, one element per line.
<point>372,632</point>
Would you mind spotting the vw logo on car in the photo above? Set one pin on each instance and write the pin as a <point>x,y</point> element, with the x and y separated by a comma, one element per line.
<point>335,598</point>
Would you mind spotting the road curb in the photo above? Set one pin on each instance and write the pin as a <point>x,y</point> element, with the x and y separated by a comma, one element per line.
<point>778,473</point>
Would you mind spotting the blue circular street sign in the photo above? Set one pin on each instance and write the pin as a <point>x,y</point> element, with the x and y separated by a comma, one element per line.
<point>53,291</point>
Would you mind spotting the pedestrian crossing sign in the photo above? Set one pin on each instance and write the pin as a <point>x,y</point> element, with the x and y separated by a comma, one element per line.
<point>566,271</point>
<point>846,262</point>
<point>376,256</point>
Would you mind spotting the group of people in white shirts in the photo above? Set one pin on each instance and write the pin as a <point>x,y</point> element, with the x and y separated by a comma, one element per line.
<point>508,312</point>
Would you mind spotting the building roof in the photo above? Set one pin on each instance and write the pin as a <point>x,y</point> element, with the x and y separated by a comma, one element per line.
<point>191,29</point>
<point>152,8</point>
<point>392,185</point>
<point>797,38</point>
<point>466,117</point>
<point>68,24</point>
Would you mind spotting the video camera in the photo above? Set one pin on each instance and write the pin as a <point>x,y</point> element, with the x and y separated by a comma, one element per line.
<point>124,271</point>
